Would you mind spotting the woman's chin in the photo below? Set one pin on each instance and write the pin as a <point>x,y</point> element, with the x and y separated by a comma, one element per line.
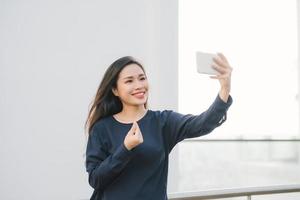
<point>139,102</point>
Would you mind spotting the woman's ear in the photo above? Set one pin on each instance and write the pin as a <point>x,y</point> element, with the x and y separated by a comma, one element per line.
<point>114,91</point>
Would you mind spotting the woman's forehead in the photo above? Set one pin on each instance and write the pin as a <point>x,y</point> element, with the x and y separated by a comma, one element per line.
<point>131,70</point>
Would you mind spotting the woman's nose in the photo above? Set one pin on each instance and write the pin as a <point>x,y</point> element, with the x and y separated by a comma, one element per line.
<point>139,84</point>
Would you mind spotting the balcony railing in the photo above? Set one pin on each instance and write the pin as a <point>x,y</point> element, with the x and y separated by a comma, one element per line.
<point>247,192</point>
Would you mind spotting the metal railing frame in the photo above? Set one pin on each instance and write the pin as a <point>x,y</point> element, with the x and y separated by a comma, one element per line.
<point>247,192</point>
<point>240,140</point>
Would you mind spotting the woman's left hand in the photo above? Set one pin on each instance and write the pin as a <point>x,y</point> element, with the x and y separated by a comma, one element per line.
<point>222,66</point>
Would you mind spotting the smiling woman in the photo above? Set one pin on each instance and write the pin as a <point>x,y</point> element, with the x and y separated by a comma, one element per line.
<point>128,145</point>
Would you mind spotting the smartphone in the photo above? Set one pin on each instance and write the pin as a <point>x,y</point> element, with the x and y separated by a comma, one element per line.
<point>204,62</point>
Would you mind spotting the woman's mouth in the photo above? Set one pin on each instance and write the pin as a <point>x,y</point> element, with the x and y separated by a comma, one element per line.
<point>139,95</point>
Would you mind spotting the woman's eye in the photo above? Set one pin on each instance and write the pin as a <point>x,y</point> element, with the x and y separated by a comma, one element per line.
<point>129,81</point>
<point>143,78</point>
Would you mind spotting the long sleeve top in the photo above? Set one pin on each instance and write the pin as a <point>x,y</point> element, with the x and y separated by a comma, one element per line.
<point>117,173</point>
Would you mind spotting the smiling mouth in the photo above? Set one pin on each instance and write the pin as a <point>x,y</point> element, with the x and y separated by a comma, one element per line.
<point>139,94</point>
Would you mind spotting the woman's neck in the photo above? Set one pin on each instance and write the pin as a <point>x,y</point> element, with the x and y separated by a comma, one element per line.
<point>131,113</point>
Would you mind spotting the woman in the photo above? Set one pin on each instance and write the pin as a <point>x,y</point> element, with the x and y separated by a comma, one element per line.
<point>128,144</point>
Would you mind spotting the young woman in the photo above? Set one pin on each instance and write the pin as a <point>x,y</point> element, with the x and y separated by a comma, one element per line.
<point>128,144</point>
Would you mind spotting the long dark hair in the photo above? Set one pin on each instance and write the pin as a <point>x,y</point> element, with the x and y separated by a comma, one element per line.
<point>105,102</point>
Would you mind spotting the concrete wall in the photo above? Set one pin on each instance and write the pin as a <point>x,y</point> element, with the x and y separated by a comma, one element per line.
<point>52,57</point>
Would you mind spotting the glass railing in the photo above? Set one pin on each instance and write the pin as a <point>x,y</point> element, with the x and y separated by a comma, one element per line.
<point>248,193</point>
<point>238,165</point>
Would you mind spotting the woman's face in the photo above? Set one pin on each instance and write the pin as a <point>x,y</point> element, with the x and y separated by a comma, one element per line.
<point>132,86</point>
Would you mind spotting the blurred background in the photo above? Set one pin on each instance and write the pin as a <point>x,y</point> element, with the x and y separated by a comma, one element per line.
<point>53,55</point>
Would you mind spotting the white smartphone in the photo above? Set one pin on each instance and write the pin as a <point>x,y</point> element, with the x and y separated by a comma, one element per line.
<point>204,62</point>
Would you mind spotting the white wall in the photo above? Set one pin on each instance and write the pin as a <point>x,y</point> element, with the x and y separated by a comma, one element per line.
<point>52,57</point>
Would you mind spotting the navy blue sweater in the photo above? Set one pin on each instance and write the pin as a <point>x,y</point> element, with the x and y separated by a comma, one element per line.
<point>141,173</point>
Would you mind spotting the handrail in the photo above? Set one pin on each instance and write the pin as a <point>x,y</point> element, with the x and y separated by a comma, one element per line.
<point>235,192</point>
<point>240,140</point>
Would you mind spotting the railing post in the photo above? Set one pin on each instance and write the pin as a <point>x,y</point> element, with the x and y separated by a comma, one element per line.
<point>249,197</point>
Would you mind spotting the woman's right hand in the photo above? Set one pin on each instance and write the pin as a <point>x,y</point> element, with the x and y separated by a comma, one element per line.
<point>134,137</point>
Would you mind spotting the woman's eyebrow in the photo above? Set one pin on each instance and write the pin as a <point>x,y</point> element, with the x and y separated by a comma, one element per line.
<point>128,77</point>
